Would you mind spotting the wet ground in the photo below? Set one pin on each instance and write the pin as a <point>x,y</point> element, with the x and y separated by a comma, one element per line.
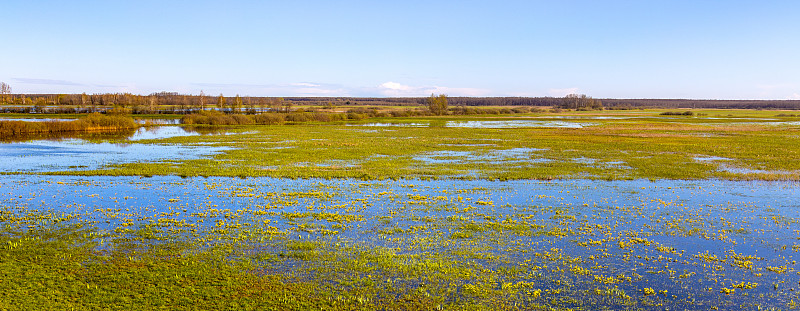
<point>694,243</point>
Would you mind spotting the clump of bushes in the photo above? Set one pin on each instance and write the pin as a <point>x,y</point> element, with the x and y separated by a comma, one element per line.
<point>677,113</point>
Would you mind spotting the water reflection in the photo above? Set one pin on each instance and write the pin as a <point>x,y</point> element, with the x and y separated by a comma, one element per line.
<point>492,156</point>
<point>71,154</point>
<point>484,124</point>
<point>160,132</point>
<point>516,124</point>
<point>88,151</point>
<point>159,121</point>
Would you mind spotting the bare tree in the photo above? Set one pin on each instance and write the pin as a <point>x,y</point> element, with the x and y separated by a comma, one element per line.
<point>581,102</point>
<point>202,101</point>
<point>5,91</point>
<point>221,102</point>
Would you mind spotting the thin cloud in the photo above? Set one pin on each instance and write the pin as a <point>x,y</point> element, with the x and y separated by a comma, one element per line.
<point>47,82</point>
<point>287,89</point>
<point>394,89</point>
<point>778,91</point>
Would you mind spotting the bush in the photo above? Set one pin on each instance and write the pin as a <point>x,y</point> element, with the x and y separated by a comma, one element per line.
<point>521,110</point>
<point>269,119</point>
<point>399,113</point>
<point>297,117</point>
<point>355,116</point>
<point>677,113</point>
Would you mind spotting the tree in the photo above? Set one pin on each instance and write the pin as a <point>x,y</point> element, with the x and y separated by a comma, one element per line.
<point>580,102</point>
<point>251,106</point>
<point>5,91</point>
<point>276,104</point>
<point>202,101</point>
<point>262,104</point>
<point>221,102</point>
<point>287,105</point>
<point>84,99</point>
<point>184,104</point>
<point>151,107</point>
<point>236,105</point>
<point>437,104</point>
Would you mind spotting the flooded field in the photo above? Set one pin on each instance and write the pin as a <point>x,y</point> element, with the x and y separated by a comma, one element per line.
<point>78,154</point>
<point>573,243</point>
<point>486,124</point>
<point>614,212</point>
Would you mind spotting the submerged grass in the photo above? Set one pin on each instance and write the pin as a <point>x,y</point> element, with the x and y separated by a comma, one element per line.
<point>644,145</point>
<point>313,244</point>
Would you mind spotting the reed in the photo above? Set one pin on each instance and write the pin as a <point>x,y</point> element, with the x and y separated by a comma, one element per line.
<point>94,122</point>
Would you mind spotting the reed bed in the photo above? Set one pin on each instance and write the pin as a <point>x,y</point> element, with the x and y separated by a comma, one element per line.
<point>91,123</point>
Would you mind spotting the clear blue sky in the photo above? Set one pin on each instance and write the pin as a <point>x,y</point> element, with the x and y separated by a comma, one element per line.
<point>605,49</point>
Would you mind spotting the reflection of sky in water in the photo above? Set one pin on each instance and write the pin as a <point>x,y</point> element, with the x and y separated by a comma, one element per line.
<point>160,132</point>
<point>69,154</point>
<point>516,123</point>
<point>450,156</point>
<point>158,121</point>
<point>759,216</point>
<point>36,120</point>
<point>389,124</point>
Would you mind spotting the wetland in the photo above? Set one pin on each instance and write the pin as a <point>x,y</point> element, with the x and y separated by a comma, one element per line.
<point>548,211</point>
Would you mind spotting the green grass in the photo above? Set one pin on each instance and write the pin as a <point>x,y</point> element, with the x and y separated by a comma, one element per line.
<point>278,251</point>
<point>646,146</point>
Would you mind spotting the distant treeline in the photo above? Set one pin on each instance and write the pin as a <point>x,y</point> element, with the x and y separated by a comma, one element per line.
<point>171,102</point>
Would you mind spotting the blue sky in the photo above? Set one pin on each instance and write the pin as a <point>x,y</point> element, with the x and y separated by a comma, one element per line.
<point>605,49</point>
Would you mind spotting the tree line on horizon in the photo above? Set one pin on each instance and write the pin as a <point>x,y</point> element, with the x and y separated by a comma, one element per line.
<point>187,103</point>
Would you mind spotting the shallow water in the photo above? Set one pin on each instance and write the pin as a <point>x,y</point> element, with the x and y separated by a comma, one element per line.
<point>37,119</point>
<point>47,155</point>
<point>159,121</point>
<point>77,154</point>
<point>517,124</point>
<point>159,132</point>
<point>486,124</point>
<point>497,155</point>
<point>391,124</point>
<point>641,228</point>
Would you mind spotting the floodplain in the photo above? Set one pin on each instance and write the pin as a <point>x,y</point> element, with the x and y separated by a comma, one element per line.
<point>575,210</point>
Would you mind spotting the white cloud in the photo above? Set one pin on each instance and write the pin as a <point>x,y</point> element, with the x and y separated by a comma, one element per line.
<point>794,96</point>
<point>562,92</point>
<point>394,89</point>
<point>396,86</point>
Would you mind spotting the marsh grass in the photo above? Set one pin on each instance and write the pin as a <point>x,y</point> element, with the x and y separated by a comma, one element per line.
<point>315,244</point>
<point>652,147</point>
<point>91,123</point>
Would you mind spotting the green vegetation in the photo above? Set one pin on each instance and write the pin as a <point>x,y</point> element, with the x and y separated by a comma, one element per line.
<point>424,215</point>
<point>608,145</point>
<point>677,113</point>
<point>437,104</point>
<point>580,103</point>
<point>344,245</point>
